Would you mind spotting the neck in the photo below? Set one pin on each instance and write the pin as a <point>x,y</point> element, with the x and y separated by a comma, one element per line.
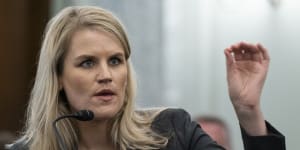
<point>94,135</point>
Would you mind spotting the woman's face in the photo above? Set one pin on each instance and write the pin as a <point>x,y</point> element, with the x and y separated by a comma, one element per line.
<point>95,73</point>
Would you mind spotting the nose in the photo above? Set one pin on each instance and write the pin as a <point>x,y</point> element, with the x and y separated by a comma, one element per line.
<point>104,75</point>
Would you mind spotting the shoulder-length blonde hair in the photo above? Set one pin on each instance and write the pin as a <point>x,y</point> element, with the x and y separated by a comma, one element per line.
<point>130,130</point>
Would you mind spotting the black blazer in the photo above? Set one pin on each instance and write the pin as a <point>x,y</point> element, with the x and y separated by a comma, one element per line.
<point>187,135</point>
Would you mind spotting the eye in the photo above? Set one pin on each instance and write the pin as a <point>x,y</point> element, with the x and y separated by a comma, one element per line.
<point>89,63</point>
<point>115,61</point>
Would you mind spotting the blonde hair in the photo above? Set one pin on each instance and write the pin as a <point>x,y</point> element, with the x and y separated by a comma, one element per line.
<point>130,129</point>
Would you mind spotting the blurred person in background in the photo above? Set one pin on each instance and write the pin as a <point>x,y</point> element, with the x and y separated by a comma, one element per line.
<point>216,128</point>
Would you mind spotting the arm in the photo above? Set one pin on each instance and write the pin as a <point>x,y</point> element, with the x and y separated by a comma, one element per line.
<point>247,67</point>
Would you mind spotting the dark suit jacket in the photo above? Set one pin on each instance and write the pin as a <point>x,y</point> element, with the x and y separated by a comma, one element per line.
<point>185,134</point>
<point>188,135</point>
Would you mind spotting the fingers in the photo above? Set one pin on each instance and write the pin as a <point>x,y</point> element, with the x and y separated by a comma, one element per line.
<point>230,61</point>
<point>240,53</point>
<point>264,51</point>
<point>229,56</point>
<point>252,52</point>
<point>245,51</point>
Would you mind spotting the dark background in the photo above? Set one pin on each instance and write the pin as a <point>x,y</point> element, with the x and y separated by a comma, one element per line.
<point>21,28</point>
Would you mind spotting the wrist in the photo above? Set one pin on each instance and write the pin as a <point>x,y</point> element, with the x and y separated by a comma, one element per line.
<point>252,120</point>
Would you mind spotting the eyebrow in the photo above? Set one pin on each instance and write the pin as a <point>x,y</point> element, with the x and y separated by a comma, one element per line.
<point>85,56</point>
<point>118,54</point>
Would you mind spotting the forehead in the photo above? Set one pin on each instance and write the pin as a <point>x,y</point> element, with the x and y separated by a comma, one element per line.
<point>90,40</point>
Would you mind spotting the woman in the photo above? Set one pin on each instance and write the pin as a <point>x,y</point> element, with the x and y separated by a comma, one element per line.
<point>84,64</point>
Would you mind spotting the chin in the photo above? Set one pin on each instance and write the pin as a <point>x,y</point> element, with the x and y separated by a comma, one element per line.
<point>105,115</point>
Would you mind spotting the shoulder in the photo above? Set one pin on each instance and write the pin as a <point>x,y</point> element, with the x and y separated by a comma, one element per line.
<point>176,124</point>
<point>171,119</point>
<point>152,111</point>
<point>182,131</point>
<point>172,114</point>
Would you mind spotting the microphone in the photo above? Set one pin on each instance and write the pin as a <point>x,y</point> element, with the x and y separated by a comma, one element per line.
<point>82,115</point>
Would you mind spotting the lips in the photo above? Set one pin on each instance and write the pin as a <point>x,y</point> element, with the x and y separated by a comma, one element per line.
<point>105,95</point>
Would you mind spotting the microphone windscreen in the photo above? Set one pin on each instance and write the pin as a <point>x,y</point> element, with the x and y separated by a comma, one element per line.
<point>84,115</point>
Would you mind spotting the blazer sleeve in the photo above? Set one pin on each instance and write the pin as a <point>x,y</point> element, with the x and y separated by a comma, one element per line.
<point>273,141</point>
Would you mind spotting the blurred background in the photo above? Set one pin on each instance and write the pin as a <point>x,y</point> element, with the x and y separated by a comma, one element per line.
<point>177,54</point>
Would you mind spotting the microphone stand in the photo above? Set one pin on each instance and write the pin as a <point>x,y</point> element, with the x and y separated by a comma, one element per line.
<point>83,115</point>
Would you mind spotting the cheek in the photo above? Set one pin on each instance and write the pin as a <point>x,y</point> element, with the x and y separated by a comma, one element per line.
<point>76,89</point>
<point>121,83</point>
<point>123,80</point>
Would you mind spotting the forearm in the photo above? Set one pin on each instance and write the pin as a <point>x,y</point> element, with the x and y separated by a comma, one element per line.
<point>251,119</point>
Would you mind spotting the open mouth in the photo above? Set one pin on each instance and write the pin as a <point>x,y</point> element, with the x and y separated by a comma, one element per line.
<point>105,94</point>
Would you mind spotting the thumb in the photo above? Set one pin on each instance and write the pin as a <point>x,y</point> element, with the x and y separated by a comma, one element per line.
<point>229,59</point>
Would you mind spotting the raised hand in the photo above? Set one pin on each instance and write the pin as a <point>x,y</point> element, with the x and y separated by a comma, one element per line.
<point>247,67</point>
